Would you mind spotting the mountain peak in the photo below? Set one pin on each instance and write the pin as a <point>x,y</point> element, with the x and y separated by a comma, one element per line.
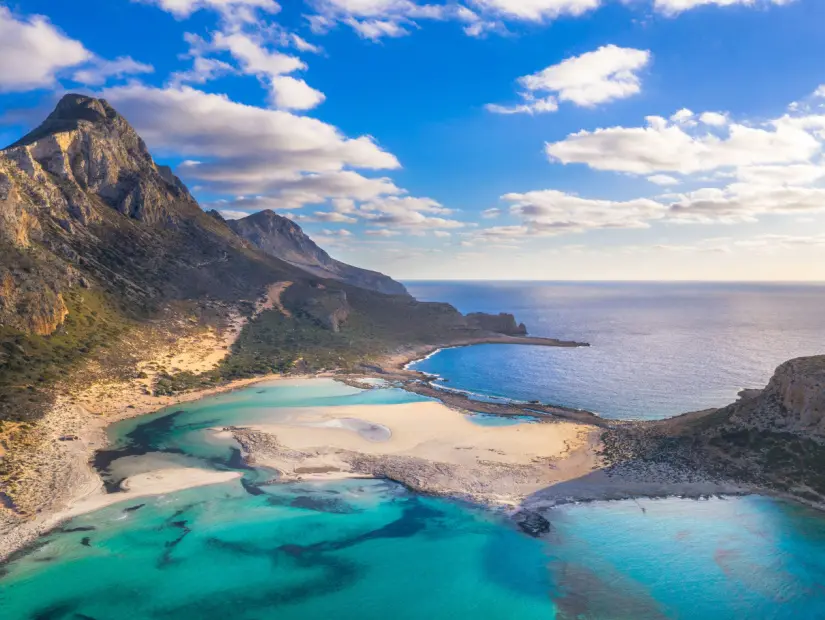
<point>282,238</point>
<point>72,110</point>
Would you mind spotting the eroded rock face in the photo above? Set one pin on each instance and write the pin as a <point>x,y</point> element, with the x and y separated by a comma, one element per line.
<point>85,147</point>
<point>282,238</point>
<point>800,386</point>
<point>503,323</point>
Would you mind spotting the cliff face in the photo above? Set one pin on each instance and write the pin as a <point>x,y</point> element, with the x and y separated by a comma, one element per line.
<point>799,385</point>
<point>284,239</point>
<point>86,147</point>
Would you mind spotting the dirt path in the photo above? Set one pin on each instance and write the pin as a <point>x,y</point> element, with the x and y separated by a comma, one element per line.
<point>273,299</point>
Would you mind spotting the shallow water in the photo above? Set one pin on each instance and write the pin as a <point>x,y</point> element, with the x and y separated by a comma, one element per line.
<point>658,349</point>
<point>370,549</point>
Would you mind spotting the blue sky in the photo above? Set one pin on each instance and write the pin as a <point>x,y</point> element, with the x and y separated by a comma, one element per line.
<point>526,139</point>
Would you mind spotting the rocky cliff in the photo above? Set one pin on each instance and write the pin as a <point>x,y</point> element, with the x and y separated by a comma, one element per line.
<point>502,323</point>
<point>772,438</point>
<point>284,239</point>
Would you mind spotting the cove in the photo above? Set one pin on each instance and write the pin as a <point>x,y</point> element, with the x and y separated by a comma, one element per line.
<point>257,549</point>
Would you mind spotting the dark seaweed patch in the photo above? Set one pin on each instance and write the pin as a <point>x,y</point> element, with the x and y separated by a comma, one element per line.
<point>72,530</point>
<point>55,612</point>
<point>236,460</point>
<point>313,502</point>
<point>251,488</point>
<point>86,541</point>
<point>133,508</point>
<point>166,558</point>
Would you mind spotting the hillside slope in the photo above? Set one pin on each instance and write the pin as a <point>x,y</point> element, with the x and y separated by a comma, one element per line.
<point>284,239</point>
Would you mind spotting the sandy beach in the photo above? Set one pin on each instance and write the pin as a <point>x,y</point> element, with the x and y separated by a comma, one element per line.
<point>431,447</point>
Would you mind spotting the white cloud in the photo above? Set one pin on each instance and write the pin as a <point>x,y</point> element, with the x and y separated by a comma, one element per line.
<point>290,93</point>
<point>714,119</point>
<point>407,212</point>
<point>304,46</point>
<point>663,179</point>
<point>819,93</point>
<point>383,232</point>
<point>229,214</point>
<point>184,8</point>
<point>743,202</point>
<point>249,150</point>
<point>203,70</point>
<point>794,174</point>
<point>537,10</point>
<point>530,106</point>
<point>666,147</point>
<point>442,234</point>
<point>551,212</point>
<point>674,7</point>
<point>375,29</point>
<point>600,76</point>
<point>101,70</point>
<point>324,216</point>
<point>253,57</point>
<point>684,117</point>
<point>33,52</point>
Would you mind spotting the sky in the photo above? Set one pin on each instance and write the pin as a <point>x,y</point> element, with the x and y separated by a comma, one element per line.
<point>468,139</point>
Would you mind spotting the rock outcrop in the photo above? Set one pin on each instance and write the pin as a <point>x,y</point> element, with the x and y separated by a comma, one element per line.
<point>772,438</point>
<point>499,323</point>
<point>281,237</point>
<point>799,385</point>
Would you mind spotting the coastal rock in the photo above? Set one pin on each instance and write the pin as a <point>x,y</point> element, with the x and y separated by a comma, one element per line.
<point>503,323</point>
<point>799,384</point>
<point>532,523</point>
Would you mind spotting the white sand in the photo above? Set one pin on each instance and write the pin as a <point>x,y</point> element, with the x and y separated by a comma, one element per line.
<point>158,482</point>
<point>431,431</point>
<point>432,448</point>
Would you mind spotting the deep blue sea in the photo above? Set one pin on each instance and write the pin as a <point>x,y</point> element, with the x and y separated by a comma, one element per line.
<point>657,349</point>
<point>252,549</point>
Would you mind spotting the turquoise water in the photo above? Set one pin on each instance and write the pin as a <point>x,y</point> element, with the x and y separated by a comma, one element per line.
<point>257,550</point>
<point>658,349</point>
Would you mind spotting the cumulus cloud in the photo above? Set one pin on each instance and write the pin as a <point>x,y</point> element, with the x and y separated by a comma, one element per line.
<point>184,8</point>
<point>33,52</point>
<point>665,146</point>
<point>663,179</point>
<point>537,10</point>
<point>407,212</point>
<point>101,70</point>
<point>715,119</point>
<point>600,76</point>
<point>248,150</point>
<point>290,93</point>
<point>674,7</point>
<point>550,212</point>
<point>743,202</point>
<point>377,19</point>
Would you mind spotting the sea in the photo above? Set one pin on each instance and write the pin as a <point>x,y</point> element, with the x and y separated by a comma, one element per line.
<point>254,549</point>
<point>656,349</point>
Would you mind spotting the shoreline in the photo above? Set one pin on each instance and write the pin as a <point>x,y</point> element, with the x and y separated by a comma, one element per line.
<point>86,483</point>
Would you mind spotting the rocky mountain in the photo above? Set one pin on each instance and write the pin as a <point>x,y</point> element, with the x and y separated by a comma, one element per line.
<point>284,239</point>
<point>98,242</point>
